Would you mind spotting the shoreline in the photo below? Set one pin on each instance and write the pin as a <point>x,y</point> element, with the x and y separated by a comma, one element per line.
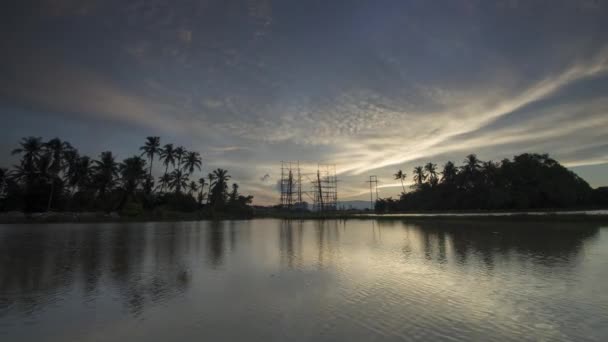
<point>563,215</point>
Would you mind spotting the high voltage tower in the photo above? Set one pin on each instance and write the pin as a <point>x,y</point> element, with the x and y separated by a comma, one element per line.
<point>291,184</point>
<point>322,189</point>
<point>373,187</point>
<point>325,187</point>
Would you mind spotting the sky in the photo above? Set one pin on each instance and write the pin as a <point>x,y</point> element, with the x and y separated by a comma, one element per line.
<point>370,86</point>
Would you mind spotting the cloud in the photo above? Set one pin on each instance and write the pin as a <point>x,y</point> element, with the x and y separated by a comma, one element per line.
<point>366,87</point>
<point>266,179</point>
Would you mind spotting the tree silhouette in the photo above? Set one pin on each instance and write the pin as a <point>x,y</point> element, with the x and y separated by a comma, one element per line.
<point>202,184</point>
<point>55,149</point>
<point>105,173</point>
<point>528,181</point>
<point>219,188</point>
<point>53,175</point>
<point>449,173</point>
<point>179,180</point>
<point>165,182</point>
<point>431,171</point>
<point>167,156</point>
<point>400,175</point>
<point>192,160</point>
<point>150,149</point>
<point>419,175</point>
<point>132,174</point>
<point>192,188</point>
<point>180,153</point>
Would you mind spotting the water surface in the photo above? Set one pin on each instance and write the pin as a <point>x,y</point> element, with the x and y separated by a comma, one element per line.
<point>265,280</point>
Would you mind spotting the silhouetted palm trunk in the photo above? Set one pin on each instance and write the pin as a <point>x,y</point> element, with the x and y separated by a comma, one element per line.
<point>162,187</point>
<point>48,207</point>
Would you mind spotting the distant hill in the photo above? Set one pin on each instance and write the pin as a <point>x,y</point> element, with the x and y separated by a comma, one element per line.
<point>359,205</point>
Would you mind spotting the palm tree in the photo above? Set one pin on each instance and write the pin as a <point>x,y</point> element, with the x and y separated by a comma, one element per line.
<point>150,149</point>
<point>132,174</point>
<point>31,148</point>
<point>419,175</point>
<point>192,187</point>
<point>3,180</point>
<point>472,164</point>
<point>105,172</point>
<point>180,152</point>
<point>179,180</point>
<point>220,187</point>
<point>431,171</point>
<point>234,195</point>
<point>56,149</point>
<point>79,175</point>
<point>449,173</point>
<point>167,155</point>
<point>471,168</point>
<point>165,181</point>
<point>192,161</point>
<point>202,183</point>
<point>211,177</point>
<point>400,175</point>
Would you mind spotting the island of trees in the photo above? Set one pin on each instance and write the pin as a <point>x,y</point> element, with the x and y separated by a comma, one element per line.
<point>52,176</point>
<point>528,181</point>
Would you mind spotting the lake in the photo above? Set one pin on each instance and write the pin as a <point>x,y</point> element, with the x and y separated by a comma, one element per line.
<point>264,280</point>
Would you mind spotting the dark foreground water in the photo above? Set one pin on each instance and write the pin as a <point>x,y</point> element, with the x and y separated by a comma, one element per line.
<point>265,280</point>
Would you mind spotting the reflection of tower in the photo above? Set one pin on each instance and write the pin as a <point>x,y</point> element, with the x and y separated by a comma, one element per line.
<point>373,187</point>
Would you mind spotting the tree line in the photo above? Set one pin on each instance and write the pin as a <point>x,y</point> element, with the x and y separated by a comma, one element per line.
<point>53,176</point>
<point>528,181</point>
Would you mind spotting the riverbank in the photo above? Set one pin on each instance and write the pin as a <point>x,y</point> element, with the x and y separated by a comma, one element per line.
<point>94,217</point>
<point>164,216</point>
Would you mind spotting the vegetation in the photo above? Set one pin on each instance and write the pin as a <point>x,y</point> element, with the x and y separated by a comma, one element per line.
<point>53,176</point>
<point>528,181</point>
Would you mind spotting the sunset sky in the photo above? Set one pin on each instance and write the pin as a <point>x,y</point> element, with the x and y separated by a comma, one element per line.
<point>371,86</point>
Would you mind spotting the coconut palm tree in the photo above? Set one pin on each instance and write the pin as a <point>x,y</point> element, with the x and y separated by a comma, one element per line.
<point>234,195</point>
<point>167,156</point>
<point>220,187</point>
<point>472,164</point>
<point>449,173</point>
<point>80,175</point>
<point>179,181</point>
<point>431,171</point>
<point>211,177</point>
<point>31,148</point>
<point>132,173</point>
<point>202,184</point>
<point>150,149</point>
<point>58,150</point>
<point>419,175</point>
<point>180,153</point>
<point>55,149</point>
<point>105,172</point>
<point>71,164</point>
<point>400,175</point>
<point>192,187</point>
<point>3,177</point>
<point>165,181</point>
<point>192,160</point>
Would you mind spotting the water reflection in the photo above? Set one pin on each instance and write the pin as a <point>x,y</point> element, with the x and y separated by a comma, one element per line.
<point>144,265</point>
